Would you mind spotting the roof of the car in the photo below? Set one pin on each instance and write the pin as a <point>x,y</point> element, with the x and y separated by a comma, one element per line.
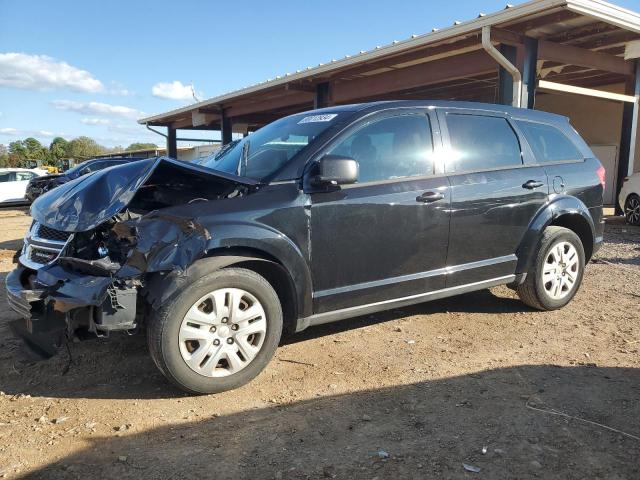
<point>113,159</point>
<point>15,169</point>
<point>521,113</point>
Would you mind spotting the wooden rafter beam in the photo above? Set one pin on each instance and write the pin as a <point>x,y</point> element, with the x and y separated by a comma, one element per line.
<point>420,55</point>
<point>182,122</point>
<point>460,66</point>
<point>583,33</point>
<point>619,38</point>
<point>570,55</point>
<point>292,98</point>
<point>575,78</point>
<point>538,22</point>
<point>490,80</point>
<point>600,81</point>
<point>211,109</point>
<point>301,87</point>
<point>507,37</point>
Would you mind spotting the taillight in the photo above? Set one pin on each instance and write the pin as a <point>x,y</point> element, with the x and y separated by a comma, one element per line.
<point>602,173</point>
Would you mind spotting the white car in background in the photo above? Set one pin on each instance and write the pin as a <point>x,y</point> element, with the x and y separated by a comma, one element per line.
<point>629,199</point>
<point>13,183</point>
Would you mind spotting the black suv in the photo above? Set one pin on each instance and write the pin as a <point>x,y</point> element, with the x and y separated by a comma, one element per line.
<point>39,185</point>
<point>317,217</point>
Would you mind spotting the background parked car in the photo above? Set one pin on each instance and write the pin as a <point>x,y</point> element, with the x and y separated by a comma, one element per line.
<point>40,185</point>
<point>629,199</point>
<point>14,183</point>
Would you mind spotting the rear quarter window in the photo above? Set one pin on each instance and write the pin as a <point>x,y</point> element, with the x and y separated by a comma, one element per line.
<point>549,144</point>
<point>481,143</point>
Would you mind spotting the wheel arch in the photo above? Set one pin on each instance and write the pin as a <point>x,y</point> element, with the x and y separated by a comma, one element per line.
<point>272,269</point>
<point>565,211</point>
<point>581,227</point>
<point>162,286</point>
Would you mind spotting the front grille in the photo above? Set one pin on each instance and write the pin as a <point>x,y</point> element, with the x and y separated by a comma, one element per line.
<point>42,245</point>
<point>52,234</point>
<point>41,256</point>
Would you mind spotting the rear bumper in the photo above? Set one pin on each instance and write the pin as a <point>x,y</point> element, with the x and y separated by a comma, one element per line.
<point>598,228</point>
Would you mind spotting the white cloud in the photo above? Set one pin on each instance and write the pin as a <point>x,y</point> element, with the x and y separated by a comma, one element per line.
<point>175,90</point>
<point>134,130</point>
<point>117,88</point>
<point>39,72</point>
<point>96,121</point>
<point>16,132</point>
<point>97,108</point>
<point>122,92</point>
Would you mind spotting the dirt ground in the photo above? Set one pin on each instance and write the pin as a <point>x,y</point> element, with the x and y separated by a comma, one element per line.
<point>478,380</point>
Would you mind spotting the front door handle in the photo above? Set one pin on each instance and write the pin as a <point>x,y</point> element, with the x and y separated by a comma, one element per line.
<point>429,197</point>
<point>532,184</point>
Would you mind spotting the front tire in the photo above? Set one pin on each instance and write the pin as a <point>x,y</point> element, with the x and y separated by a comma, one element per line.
<point>632,209</point>
<point>218,333</point>
<point>557,272</point>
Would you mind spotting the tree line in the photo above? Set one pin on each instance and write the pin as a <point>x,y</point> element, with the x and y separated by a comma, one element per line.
<point>22,153</point>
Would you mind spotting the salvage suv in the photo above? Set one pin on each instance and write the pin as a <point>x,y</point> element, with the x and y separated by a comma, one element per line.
<point>317,217</point>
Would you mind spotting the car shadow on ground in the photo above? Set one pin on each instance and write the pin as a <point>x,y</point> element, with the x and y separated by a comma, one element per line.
<point>483,301</point>
<point>423,430</point>
<point>12,245</point>
<point>87,369</point>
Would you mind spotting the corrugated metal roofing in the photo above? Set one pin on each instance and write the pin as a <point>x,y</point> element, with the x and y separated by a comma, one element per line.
<point>596,9</point>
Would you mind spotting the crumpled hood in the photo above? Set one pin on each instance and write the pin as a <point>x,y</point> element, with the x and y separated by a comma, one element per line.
<point>46,178</point>
<point>88,201</point>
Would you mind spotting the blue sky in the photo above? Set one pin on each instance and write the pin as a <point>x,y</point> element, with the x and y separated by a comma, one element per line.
<point>90,68</point>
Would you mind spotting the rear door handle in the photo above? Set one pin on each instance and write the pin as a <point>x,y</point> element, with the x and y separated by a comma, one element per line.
<point>532,184</point>
<point>429,197</point>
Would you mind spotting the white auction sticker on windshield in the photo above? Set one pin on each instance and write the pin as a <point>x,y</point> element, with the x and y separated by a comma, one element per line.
<point>327,117</point>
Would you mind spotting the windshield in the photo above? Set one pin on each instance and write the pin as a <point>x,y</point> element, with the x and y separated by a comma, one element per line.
<point>75,172</point>
<point>264,152</point>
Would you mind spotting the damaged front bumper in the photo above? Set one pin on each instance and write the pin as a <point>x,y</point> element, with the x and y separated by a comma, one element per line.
<point>100,296</point>
<point>93,246</point>
<point>54,302</point>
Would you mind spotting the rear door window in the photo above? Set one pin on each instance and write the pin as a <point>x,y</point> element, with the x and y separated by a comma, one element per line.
<point>481,142</point>
<point>549,144</point>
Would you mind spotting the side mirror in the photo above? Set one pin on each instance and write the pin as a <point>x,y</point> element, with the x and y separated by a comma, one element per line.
<point>335,170</point>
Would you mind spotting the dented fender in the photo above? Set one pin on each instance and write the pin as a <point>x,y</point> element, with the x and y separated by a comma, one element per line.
<point>161,242</point>
<point>162,286</point>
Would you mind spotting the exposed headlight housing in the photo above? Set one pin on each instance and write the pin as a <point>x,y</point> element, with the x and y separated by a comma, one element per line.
<point>103,251</point>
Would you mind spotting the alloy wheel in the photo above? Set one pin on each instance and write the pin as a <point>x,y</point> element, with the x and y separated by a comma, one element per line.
<point>632,210</point>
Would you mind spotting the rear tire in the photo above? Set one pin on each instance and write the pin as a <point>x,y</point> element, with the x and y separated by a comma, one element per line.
<point>557,271</point>
<point>218,333</point>
<point>632,209</point>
